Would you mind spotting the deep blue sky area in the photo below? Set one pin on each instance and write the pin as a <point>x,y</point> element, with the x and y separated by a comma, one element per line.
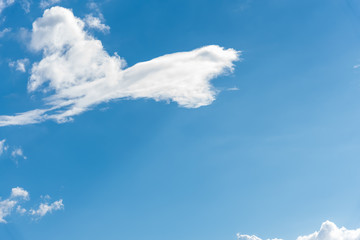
<point>275,158</point>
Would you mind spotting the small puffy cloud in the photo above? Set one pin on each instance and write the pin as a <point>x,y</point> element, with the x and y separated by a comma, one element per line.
<point>7,205</point>
<point>18,196</point>
<point>47,3</point>
<point>46,208</point>
<point>19,192</point>
<point>19,65</point>
<point>95,23</point>
<point>76,73</point>
<point>328,231</point>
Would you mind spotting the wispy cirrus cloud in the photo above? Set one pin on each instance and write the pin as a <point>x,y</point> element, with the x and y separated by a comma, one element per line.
<point>328,231</point>
<point>76,73</point>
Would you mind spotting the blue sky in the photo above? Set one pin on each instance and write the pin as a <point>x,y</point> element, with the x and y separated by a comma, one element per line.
<point>272,152</point>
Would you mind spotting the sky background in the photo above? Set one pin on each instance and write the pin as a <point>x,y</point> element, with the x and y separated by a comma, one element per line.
<point>275,158</point>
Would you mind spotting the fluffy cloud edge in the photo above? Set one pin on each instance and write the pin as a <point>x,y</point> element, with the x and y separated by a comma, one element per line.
<point>328,231</point>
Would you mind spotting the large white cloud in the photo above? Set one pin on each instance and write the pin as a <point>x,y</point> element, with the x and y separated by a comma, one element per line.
<point>328,231</point>
<point>76,73</point>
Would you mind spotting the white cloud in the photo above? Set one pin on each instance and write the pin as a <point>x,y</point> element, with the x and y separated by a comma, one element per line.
<point>328,231</point>
<point>76,73</point>
<point>46,208</point>
<point>19,195</point>
<point>19,65</point>
<point>7,205</point>
<point>95,23</point>
<point>47,3</point>
<point>19,192</point>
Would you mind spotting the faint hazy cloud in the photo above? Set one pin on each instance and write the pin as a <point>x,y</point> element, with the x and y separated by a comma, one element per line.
<point>47,3</point>
<point>25,4</point>
<point>4,31</point>
<point>5,3</point>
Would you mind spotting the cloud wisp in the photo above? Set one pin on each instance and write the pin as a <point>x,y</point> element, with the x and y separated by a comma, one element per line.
<point>328,231</point>
<point>18,196</point>
<point>76,73</point>
<point>47,3</point>
<point>5,3</point>
<point>15,153</point>
<point>25,4</point>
